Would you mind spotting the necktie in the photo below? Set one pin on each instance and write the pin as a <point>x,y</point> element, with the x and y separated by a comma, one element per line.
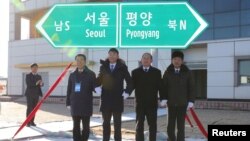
<point>146,70</point>
<point>177,71</point>
<point>111,68</point>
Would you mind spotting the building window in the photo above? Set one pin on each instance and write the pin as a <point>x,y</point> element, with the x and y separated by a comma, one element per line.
<point>25,28</point>
<point>204,6</point>
<point>244,72</point>
<point>232,5</point>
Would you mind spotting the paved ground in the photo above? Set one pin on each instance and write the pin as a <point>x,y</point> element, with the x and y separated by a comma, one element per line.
<point>13,114</point>
<point>207,117</point>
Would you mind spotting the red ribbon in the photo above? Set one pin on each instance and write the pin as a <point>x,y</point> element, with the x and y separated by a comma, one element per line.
<point>32,114</point>
<point>198,122</point>
<point>189,121</point>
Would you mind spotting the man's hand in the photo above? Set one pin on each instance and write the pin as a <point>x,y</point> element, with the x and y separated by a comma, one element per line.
<point>190,105</point>
<point>125,95</point>
<point>38,82</point>
<point>163,103</point>
<point>68,107</point>
<point>98,90</point>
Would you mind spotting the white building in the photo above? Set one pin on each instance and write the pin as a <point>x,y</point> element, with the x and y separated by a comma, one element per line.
<point>219,58</point>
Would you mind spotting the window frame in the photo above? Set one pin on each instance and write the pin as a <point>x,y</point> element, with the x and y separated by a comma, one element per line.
<point>237,69</point>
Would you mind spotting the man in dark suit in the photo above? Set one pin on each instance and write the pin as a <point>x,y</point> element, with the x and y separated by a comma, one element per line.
<point>146,82</point>
<point>113,72</point>
<point>33,91</point>
<point>178,88</point>
<point>81,85</point>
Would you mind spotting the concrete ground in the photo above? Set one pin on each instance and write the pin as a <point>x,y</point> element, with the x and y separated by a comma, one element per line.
<point>207,117</point>
<point>13,114</point>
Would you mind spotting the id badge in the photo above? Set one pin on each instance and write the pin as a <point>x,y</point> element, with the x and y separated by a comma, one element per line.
<point>77,87</point>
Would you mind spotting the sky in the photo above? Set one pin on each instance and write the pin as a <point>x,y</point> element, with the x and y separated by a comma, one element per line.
<point>4,37</point>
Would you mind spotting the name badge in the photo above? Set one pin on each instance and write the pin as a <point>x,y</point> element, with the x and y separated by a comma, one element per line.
<point>77,87</point>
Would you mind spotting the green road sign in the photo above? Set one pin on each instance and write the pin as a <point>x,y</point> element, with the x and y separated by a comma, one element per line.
<point>81,25</point>
<point>159,25</point>
<point>141,25</point>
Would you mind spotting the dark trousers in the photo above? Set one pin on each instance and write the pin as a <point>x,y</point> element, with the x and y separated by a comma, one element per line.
<point>151,115</point>
<point>106,125</point>
<point>77,134</point>
<point>31,104</point>
<point>176,113</point>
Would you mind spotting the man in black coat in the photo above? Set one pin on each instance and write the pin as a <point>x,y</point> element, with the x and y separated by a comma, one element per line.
<point>178,88</point>
<point>146,82</point>
<point>33,91</point>
<point>79,100</point>
<point>113,72</point>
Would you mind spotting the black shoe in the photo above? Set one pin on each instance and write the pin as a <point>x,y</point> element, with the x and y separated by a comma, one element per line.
<point>28,125</point>
<point>32,124</point>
